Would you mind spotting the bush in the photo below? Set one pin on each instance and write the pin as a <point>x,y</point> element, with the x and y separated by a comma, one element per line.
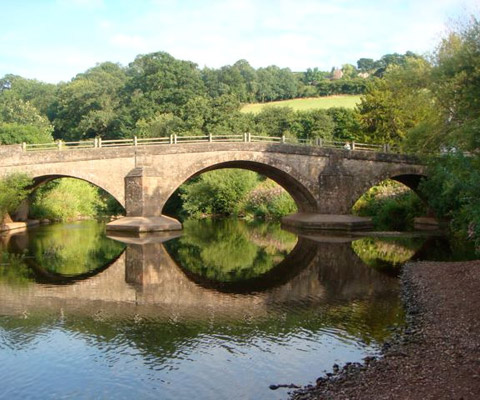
<point>13,190</point>
<point>453,190</point>
<point>391,206</point>
<point>268,200</point>
<point>217,192</point>
<point>66,199</point>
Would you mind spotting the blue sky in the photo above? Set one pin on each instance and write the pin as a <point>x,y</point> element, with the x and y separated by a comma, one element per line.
<point>53,40</point>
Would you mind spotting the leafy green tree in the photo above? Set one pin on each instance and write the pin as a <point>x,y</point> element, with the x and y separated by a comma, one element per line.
<point>313,124</point>
<point>157,82</point>
<point>14,189</point>
<point>276,83</point>
<point>365,64</point>
<point>452,190</point>
<point>160,125</point>
<point>349,71</point>
<point>217,192</point>
<point>66,199</point>
<point>21,122</point>
<point>275,121</point>
<point>397,103</point>
<point>346,125</point>
<point>456,85</point>
<point>40,95</point>
<point>91,104</point>
<point>313,76</point>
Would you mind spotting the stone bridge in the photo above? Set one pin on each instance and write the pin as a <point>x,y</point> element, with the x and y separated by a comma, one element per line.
<point>324,182</point>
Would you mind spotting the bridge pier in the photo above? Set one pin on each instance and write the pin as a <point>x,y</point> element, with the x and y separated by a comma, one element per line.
<point>336,191</point>
<point>144,200</point>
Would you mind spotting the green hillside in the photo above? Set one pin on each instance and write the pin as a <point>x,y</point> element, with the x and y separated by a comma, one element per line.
<point>307,103</point>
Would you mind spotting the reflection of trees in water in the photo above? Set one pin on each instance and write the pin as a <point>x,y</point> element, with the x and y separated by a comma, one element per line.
<point>69,249</point>
<point>162,337</point>
<point>13,270</point>
<point>387,253</point>
<point>230,250</point>
<point>360,304</point>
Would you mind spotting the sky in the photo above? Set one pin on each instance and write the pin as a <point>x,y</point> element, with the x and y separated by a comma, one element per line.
<point>54,40</point>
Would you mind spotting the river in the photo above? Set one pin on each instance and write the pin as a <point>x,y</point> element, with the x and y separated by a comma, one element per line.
<point>223,310</point>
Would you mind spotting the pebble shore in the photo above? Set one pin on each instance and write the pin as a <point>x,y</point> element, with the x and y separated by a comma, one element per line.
<point>436,356</point>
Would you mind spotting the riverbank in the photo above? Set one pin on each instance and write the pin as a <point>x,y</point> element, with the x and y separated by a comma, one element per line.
<point>438,354</point>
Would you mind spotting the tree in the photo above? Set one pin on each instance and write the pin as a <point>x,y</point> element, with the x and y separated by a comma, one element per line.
<point>397,103</point>
<point>349,71</point>
<point>217,192</point>
<point>275,121</point>
<point>158,82</point>
<point>365,64</point>
<point>40,95</point>
<point>92,104</point>
<point>456,86</point>
<point>21,122</point>
<point>13,190</point>
<point>346,126</point>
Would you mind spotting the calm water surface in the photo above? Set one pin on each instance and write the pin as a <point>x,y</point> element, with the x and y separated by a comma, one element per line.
<point>223,311</point>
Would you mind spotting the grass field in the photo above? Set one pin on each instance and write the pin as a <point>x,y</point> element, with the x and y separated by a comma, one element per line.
<point>308,103</point>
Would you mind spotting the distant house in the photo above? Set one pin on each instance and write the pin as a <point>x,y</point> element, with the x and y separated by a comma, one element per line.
<point>363,75</point>
<point>337,73</point>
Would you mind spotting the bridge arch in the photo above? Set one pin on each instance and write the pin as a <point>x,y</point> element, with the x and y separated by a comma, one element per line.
<point>409,175</point>
<point>287,177</point>
<point>39,180</point>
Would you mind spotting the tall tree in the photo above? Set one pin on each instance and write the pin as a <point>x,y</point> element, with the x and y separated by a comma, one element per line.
<point>21,122</point>
<point>91,104</point>
<point>397,103</point>
<point>160,83</point>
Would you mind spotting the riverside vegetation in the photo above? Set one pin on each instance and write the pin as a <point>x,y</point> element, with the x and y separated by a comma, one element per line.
<point>423,105</point>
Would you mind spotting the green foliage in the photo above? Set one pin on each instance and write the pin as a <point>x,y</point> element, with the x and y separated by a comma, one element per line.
<point>13,270</point>
<point>279,121</point>
<point>66,199</point>
<point>231,192</point>
<point>40,95</point>
<point>456,85</point>
<point>386,253</point>
<point>268,200</point>
<point>453,190</point>
<point>73,249</point>
<point>13,190</point>
<point>344,86</point>
<point>12,133</point>
<point>391,206</point>
<point>92,104</point>
<point>217,192</point>
<point>346,125</point>
<point>21,122</point>
<point>230,250</point>
<point>397,103</point>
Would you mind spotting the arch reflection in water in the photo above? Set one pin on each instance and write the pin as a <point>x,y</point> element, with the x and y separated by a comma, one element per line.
<point>61,253</point>
<point>388,253</point>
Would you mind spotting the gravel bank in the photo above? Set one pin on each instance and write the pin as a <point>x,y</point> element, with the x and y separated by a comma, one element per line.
<point>438,355</point>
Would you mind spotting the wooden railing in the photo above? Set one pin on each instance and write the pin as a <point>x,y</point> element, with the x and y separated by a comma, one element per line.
<point>174,139</point>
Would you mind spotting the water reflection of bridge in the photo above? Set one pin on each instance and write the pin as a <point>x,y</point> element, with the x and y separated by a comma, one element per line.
<point>145,279</point>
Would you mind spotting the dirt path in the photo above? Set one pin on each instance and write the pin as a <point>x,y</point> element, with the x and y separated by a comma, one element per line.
<point>437,357</point>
